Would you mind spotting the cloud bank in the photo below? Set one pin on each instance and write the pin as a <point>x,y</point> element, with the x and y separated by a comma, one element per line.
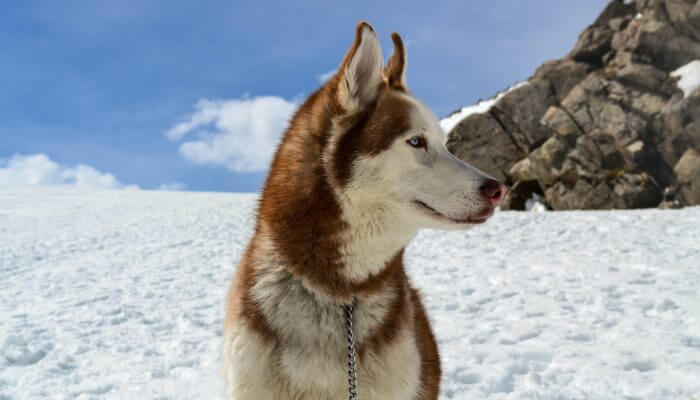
<point>240,134</point>
<point>39,170</point>
<point>325,76</point>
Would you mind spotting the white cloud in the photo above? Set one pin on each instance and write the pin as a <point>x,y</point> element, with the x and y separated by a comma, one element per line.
<point>324,76</point>
<point>40,170</point>
<point>240,134</point>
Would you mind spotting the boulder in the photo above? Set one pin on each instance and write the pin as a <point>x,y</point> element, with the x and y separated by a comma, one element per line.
<point>688,177</point>
<point>592,44</point>
<point>546,160</point>
<point>474,140</point>
<point>595,40</point>
<point>677,127</point>
<point>520,111</point>
<point>522,171</point>
<point>606,126</point>
<point>664,45</point>
<point>562,75</point>
<point>519,194</point>
<point>559,121</point>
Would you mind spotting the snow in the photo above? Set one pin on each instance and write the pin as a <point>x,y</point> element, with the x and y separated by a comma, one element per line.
<point>482,106</point>
<point>689,75</point>
<point>120,295</point>
<point>535,203</point>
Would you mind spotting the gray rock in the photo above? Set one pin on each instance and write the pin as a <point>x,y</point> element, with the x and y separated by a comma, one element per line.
<point>547,160</point>
<point>522,171</point>
<point>592,44</point>
<point>520,111</point>
<point>474,140</point>
<point>595,40</point>
<point>665,46</point>
<point>677,127</point>
<point>519,194</point>
<point>688,177</point>
<point>562,75</point>
<point>605,127</point>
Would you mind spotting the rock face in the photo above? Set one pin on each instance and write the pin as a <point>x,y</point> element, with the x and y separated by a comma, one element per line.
<point>606,126</point>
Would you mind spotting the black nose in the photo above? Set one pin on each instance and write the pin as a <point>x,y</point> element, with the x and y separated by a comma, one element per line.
<point>493,192</point>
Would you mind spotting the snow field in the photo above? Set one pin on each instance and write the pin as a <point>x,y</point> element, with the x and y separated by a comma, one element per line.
<point>120,294</point>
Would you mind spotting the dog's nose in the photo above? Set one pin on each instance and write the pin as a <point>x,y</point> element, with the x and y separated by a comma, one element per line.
<point>493,192</point>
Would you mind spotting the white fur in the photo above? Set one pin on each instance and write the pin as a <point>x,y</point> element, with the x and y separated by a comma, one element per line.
<point>378,203</point>
<point>400,174</point>
<point>362,74</point>
<point>311,361</point>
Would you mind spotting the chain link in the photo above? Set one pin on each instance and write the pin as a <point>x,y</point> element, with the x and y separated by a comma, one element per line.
<point>352,378</point>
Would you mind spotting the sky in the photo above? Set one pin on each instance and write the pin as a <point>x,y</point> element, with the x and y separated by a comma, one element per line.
<point>179,95</point>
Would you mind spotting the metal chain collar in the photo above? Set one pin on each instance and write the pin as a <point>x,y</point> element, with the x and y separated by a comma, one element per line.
<point>352,378</point>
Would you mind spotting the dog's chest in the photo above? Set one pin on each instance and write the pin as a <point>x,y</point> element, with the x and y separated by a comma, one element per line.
<point>313,349</point>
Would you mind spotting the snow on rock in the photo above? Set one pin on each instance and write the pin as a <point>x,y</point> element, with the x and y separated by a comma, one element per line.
<point>482,106</point>
<point>120,295</point>
<point>689,77</point>
<point>536,203</point>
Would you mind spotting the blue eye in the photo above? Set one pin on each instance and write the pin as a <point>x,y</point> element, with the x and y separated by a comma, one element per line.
<point>417,142</point>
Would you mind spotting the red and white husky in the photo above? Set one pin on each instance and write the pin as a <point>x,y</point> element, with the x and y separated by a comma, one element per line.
<point>361,168</point>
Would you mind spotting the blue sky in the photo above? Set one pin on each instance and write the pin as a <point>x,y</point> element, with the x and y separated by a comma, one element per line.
<point>104,84</point>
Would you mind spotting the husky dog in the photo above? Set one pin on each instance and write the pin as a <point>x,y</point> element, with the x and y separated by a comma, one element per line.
<point>360,169</point>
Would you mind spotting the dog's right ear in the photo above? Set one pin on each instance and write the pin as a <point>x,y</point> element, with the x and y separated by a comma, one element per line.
<point>360,73</point>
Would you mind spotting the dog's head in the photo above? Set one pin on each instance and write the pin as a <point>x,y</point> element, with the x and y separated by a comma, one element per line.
<point>387,150</point>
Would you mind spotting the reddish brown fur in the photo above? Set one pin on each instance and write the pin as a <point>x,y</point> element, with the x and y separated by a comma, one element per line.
<point>430,358</point>
<point>393,73</point>
<point>241,305</point>
<point>301,215</point>
<point>372,132</point>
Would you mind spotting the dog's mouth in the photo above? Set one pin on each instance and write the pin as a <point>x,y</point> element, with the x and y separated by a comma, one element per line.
<point>478,218</point>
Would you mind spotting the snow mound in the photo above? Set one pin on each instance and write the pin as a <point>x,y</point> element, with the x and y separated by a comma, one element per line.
<point>689,75</point>
<point>482,106</point>
<point>120,295</point>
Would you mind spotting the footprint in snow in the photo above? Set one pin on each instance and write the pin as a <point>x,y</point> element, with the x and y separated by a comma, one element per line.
<point>484,300</point>
<point>21,352</point>
<point>639,365</point>
<point>451,306</point>
<point>466,378</point>
<point>520,338</point>
<point>580,337</point>
<point>665,305</point>
<point>529,335</point>
<point>691,341</point>
<point>642,281</point>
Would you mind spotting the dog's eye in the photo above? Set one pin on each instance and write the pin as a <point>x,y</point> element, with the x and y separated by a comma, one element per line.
<point>417,142</point>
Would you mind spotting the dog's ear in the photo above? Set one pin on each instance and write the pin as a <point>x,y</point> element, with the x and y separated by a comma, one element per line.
<point>360,74</point>
<point>395,72</point>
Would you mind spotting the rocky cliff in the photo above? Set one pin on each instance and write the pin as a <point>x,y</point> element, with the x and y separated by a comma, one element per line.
<point>614,124</point>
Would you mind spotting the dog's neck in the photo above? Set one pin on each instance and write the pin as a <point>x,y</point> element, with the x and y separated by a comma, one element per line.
<point>375,233</point>
<point>336,246</point>
<point>342,265</point>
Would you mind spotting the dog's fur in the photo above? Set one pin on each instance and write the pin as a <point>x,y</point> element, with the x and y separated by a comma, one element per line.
<point>346,192</point>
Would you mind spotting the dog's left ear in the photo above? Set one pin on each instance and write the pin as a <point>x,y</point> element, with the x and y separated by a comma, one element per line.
<point>360,74</point>
<point>395,72</point>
